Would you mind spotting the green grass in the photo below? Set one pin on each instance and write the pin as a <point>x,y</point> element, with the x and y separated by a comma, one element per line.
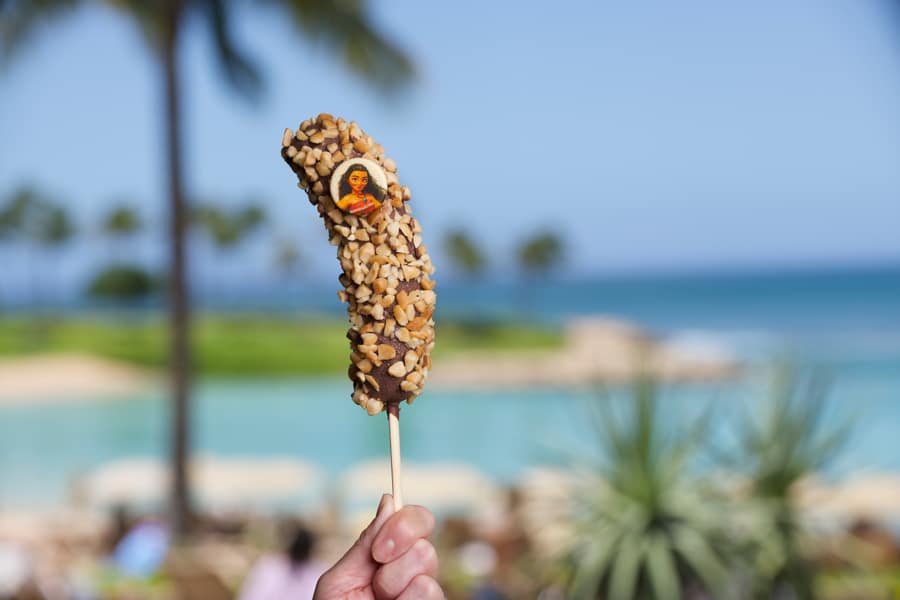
<point>245,345</point>
<point>881,582</point>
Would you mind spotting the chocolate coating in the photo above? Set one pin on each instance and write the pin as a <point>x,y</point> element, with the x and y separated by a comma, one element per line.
<point>386,267</point>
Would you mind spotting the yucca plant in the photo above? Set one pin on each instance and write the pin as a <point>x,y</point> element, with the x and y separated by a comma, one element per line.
<point>790,441</point>
<point>646,524</point>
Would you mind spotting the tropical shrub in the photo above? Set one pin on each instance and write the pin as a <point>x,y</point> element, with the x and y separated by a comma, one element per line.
<point>122,283</point>
<point>647,525</point>
<point>773,453</point>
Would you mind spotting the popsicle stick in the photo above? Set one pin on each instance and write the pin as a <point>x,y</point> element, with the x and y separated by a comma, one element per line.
<point>393,412</point>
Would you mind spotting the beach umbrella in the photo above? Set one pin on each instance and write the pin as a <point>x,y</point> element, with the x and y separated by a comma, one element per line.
<point>545,511</point>
<point>36,526</point>
<point>219,483</point>
<point>254,481</point>
<point>130,482</point>
<point>445,488</point>
<point>874,497</point>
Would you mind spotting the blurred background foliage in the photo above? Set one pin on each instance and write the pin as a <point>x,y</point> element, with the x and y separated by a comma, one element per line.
<point>661,515</point>
<point>189,292</point>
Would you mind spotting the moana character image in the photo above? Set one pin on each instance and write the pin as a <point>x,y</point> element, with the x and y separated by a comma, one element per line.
<point>361,187</point>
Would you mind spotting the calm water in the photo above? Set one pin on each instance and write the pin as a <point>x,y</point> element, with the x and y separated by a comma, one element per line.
<point>847,322</point>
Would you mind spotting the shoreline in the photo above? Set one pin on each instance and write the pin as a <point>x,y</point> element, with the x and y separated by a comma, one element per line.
<point>595,350</point>
<point>598,349</point>
<point>48,379</point>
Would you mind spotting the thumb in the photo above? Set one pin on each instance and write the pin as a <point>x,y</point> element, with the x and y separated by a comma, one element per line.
<point>358,558</point>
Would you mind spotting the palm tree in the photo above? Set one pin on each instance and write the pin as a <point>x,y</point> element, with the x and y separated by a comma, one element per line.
<point>122,280</point>
<point>228,230</point>
<point>536,256</point>
<point>287,260</point>
<point>345,26</point>
<point>6,233</point>
<point>120,223</point>
<point>540,253</point>
<point>54,228</point>
<point>287,257</point>
<point>14,217</point>
<point>35,221</point>
<point>465,254</point>
<point>12,212</point>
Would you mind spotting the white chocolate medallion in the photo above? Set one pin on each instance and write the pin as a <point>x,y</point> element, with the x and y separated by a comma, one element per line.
<point>358,186</point>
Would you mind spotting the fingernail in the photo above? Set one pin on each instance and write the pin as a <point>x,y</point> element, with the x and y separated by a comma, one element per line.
<point>384,503</point>
<point>383,551</point>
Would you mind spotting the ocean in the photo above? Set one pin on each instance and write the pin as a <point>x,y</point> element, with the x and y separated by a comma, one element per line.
<point>845,324</point>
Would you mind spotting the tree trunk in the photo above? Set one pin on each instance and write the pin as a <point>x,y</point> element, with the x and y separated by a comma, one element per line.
<point>179,309</point>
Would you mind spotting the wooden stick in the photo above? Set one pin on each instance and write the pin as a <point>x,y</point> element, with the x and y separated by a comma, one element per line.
<point>393,411</point>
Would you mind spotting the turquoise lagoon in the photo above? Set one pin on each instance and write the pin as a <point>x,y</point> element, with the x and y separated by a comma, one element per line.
<point>844,323</point>
<point>502,433</point>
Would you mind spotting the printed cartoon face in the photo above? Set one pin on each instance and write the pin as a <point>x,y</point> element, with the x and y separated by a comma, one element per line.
<point>358,186</point>
<point>358,180</point>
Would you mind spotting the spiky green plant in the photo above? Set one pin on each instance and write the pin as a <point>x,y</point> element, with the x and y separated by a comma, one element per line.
<point>646,525</point>
<point>790,441</point>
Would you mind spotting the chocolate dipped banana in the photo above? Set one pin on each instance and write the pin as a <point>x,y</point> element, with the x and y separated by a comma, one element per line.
<point>385,266</point>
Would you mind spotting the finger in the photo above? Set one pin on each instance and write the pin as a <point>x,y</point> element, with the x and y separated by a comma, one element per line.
<point>423,587</point>
<point>400,532</point>
<point>357,563</point>
<point>394,577</point>
<point>384,512</point>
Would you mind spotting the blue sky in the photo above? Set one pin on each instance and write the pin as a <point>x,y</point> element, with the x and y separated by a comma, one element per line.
<point>654,136</point>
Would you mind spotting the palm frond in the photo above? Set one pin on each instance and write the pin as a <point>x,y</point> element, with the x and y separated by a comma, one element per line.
<point>239,69</point>
<point>21,19</point>
<point>148,18</point>
<point>345,26</point>
<point>227,228</point>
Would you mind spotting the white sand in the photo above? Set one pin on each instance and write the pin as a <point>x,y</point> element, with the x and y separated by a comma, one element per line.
<point>596,350</point>
<point>66,377</point>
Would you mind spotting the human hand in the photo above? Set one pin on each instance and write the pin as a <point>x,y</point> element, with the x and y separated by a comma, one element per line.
<point>391,560</point>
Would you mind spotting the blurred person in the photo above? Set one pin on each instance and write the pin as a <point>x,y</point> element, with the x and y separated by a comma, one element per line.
<point>286,575</point>
<point>16,569</point>
<point>487,590</point>
<point>121,522</point>
<point>141,552</point>
<point>391,559</point>
<point>479,560</point>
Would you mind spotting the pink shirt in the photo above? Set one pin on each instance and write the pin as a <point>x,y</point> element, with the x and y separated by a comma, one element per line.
<point>274,578</point>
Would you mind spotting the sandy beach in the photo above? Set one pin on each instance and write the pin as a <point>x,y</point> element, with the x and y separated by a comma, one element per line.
<point>597,349</point>
<point>68,377</point>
